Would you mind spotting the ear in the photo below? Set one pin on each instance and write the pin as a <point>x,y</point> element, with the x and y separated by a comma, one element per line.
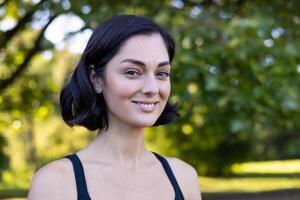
<point>96,80</point>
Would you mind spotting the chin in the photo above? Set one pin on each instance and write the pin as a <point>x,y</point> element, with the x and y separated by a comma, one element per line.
<point>144,123</point>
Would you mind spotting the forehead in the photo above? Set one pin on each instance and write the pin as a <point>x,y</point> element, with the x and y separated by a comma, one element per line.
<point>147,48</point>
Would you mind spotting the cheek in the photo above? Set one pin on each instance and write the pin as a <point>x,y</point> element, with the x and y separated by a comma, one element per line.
<point>165,90</point>
<point>119,90</point>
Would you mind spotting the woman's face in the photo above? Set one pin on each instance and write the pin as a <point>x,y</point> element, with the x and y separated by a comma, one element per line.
<point>136,83</point>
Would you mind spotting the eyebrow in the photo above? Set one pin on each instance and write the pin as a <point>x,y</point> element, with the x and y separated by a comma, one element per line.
<point>140,63</point>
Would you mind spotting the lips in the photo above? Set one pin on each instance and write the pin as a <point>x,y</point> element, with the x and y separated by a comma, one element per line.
<point>145,102</point>
<point>146,106</point>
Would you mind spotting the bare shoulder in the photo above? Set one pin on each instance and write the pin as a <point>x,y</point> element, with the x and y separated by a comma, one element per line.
<point>183,168</point>
<point>187,178</point>
<point>52,181</point>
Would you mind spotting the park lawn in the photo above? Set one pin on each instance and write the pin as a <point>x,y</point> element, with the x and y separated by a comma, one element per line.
<point>268,167</point>
<point>15,199</point>
<point>249,184</point>
<point>256,177</point>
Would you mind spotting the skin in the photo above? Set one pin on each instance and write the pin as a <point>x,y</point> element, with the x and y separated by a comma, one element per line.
<point>117,164</point>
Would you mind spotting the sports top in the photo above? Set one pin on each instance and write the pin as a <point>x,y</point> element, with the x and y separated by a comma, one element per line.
<point>82,192</point>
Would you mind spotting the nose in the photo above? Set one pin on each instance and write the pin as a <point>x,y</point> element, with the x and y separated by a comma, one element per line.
<point>150,86</point>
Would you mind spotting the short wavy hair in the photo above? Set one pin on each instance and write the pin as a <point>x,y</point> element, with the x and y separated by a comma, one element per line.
<point>80,104</point>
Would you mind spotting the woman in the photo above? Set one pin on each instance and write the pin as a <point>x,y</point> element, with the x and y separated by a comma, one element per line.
<point>120,86</point>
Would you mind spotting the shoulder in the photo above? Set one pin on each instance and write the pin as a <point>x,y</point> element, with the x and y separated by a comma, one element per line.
<point>52,181</point>
<point>187,178</point>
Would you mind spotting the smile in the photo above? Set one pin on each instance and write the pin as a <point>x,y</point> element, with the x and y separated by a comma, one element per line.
<point>146,106</point>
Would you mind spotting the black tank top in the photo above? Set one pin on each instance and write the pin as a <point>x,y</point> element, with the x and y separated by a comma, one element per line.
<point>82,192</point>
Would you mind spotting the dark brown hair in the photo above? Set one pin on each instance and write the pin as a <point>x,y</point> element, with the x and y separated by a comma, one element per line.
<point>80,104</point>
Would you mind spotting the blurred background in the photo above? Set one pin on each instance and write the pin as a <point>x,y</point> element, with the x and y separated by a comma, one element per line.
<point>236,78</point>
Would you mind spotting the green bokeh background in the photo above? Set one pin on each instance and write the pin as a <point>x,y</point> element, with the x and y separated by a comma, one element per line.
<point>235,76</point>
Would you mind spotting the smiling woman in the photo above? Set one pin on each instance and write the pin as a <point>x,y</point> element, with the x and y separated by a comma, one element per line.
<point>120,86</point>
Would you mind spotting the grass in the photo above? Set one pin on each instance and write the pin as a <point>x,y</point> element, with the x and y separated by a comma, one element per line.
<point>13,194</point>
<point>269,167</point>
<point>250,184</point>
<point>255,177</point>
<point>14,199</point>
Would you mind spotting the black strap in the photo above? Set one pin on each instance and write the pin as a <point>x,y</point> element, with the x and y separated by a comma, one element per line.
<point>82,192</point>
<point>169,172</point>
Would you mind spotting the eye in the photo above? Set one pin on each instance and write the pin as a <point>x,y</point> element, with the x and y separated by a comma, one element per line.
<point>163,74</point>
<point>132,73</point>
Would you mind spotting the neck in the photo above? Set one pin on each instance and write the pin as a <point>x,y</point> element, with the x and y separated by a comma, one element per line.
<point>120,144</point>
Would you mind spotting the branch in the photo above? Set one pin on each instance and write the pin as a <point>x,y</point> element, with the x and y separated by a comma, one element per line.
<point>207,3</point>
<point>239,2</point>
<point>3,3</point>
<point>22,22</point>
<point>6,82</point>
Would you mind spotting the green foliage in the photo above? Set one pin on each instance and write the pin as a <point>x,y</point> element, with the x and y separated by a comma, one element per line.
<point>239,74</point>
<point>3,157</point>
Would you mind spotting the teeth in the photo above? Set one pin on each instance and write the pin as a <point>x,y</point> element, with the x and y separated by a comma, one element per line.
<point>146,104</point>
